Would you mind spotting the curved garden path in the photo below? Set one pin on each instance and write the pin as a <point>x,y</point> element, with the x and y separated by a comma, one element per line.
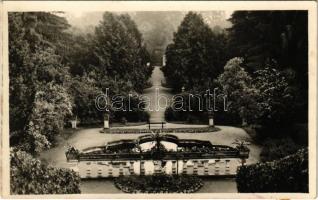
<point>88,137</point>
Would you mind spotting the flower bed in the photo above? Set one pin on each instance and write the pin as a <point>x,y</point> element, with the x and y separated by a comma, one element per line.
<point>159,184</point>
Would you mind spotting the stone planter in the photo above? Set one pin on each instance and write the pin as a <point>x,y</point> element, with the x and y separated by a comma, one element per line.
<point>72,154</point>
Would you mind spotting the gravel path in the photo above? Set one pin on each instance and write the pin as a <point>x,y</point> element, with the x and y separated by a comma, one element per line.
<point>158,96</point>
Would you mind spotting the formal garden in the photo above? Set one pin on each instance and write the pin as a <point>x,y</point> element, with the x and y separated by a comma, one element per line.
<point>258,61</point>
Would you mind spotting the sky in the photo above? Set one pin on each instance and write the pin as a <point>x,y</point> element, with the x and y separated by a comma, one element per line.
<point>156,27</point>
<point>83,19</point>
<point>79,13</point>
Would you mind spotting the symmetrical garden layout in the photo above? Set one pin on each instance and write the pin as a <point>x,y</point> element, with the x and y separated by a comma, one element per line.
<point>157,154</point>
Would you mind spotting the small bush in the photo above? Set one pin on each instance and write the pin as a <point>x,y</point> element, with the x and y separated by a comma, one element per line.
<point>130,116</point>
<point>192,117</point>
<point>169,114</point>
<point>29,176</point>
<point>274,149</point>
<point>227,118</point>
<point>289,174</point>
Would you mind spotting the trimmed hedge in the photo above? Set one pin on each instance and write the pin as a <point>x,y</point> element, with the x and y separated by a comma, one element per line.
<point>192,117</point>
<point>165,130</point>
<point>289,174</point>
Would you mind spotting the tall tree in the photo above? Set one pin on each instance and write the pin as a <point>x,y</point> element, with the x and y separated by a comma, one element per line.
<point>113,57</point>
<point>241,94</point>
<point>196,55</point>
<point>262,36</point>
<point>276,101</point>
<point>34,66</point>
<point>39,102</point>
<point>120,53</point>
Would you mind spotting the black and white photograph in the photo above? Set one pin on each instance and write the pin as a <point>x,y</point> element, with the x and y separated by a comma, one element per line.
<point>188,100</point>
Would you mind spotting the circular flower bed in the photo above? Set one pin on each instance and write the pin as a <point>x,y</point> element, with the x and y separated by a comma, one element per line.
<point>158,184</point>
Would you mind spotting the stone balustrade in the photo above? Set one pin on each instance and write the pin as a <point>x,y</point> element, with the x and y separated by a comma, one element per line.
<point>200,167</point>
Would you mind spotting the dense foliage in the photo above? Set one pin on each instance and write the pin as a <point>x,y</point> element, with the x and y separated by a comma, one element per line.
<point>51,106</point>
<point>265,98</point>
<point>120,54</point>
<point>271,64</point>
<point>276,101</point>
<point>241,95</point>
<point>52,80</point>
<point>265,82</point>
<point>55,76</point>
<point>83,92</point>
<point>37,75</point>
<point>289,174</point>
<point>172,115</point>
<point>113,57</point>
<point>196,56</point>
<point>39,101</point>
<point>262,36</point>
<point>29,176</point>
<point>274,149</point>
<point>188,108</point>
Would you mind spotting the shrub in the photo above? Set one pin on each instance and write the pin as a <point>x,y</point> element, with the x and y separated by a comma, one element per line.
<point>227,118</point>
<point>130,116</point>
<point>29,176</point>
<point>169,114</point>
<point>276,101</point>
<point>289,174</point>
<point>193,117</point>
<point>51,107</point>
<point>274,149</point>
<point>241,94</point>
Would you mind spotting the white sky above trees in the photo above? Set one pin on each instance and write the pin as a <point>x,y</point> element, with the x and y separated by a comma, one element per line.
<point>82,19</point>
